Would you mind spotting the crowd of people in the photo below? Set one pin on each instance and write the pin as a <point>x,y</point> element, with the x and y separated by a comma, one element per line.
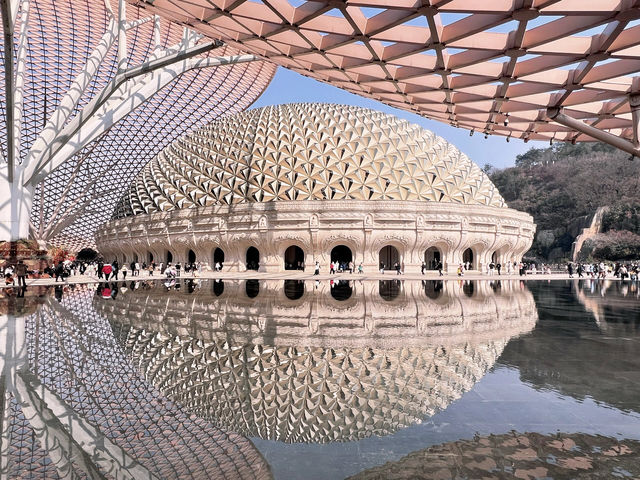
<point>620,270</point>
<point>16,274</point>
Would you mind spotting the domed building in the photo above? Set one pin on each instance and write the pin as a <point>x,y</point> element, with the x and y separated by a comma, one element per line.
<point>282,187</point>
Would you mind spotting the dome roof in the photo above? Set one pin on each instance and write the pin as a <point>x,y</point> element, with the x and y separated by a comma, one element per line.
<point>308,151</point>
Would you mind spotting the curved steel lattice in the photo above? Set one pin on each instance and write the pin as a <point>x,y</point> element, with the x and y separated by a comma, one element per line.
<point>314,151</point>
<point>489,66</point>
<point>73,352</point>
<point>82,192</point>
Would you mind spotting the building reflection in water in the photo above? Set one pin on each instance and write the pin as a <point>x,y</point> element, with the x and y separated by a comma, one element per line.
<point>75,408</point>
<point>517,456</point>
<point>299,364</point>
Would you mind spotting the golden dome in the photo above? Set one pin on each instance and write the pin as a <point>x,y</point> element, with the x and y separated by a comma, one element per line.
<point>307,151</point>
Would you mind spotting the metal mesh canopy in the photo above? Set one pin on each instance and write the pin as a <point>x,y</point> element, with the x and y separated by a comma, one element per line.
<point>464,62</point>
<point>74,353</point>
<point>63,34</point>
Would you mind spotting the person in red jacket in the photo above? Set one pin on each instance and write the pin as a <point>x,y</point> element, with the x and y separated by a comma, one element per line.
<point>107,269</point>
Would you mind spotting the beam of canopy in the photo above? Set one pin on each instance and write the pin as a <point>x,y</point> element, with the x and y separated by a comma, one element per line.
<point>489,66</point>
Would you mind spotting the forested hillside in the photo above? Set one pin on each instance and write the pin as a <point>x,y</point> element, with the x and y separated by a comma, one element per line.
<point>564,184</point>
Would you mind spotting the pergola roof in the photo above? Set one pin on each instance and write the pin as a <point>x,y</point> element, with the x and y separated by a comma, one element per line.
<point>490,66</point>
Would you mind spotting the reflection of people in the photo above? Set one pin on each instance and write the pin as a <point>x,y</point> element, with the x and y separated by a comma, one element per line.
<point>58,293</point>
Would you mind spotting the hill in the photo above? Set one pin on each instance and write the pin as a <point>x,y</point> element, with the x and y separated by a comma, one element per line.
<point>563,185</point>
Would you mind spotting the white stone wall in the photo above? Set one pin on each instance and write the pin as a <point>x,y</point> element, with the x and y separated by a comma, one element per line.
<point>317,226</point>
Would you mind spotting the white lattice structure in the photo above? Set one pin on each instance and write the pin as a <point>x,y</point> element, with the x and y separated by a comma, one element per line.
<point>74,407</point>
<point>490,66</point>
<point>314,176</point>
<point>94,91</point>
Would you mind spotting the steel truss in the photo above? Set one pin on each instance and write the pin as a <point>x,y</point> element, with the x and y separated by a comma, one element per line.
<point>492,67</point>
<point>134,58</point>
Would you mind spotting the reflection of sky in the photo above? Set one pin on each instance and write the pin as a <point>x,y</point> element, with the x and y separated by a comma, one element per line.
<point>498,403</point>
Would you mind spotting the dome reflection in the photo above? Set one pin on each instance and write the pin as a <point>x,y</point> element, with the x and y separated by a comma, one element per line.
<point>317,368</point>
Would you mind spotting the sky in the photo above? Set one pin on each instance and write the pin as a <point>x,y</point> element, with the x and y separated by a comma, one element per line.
<point>290,87</point>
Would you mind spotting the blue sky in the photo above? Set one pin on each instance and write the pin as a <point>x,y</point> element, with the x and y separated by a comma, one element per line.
<point>288,87</point>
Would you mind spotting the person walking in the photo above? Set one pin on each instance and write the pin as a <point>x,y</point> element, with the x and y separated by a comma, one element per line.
<point>423,267</point>
<point>498,267</point>
<point>106,270</point>
<point>178,267</point>
<point>398,268</point>
<point>360,268</point>
<point>332,268</point>
<point>439,268</point>
<point>317,269</point>
<point>59,272</point>
<point>570,269</point>
<point>124,271</point>
<point>21,272</point>
<point>580,270</point>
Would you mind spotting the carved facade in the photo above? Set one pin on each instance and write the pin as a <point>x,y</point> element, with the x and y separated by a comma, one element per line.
<point>314,176</point>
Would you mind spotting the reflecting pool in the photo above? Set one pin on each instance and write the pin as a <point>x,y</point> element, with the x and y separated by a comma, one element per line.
<point>294,379</point>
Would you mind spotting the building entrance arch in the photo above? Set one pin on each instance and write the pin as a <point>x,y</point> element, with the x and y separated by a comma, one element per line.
<point>191,256</point>
<point>294,258</point>
<point>342,254</point>
<point>468,258</point>
<point>432,258</point>
<point>388,257</point>
<point>218,257</point>
<point>169,257</point>
<point>252,258</point>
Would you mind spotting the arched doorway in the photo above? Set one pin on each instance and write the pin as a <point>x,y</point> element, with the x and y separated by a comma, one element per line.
<point>169,257</point>
<point>467,258</point>
<point>149,257</point>
<point>294,258</point>
<point>388,257</point>
<point>218,258</point>
<point>341,290</point>
<point>389,289</point>
<point>294,289</point>
<point>253,258</point>
<point>218,287</point>
<point>191,256</point>
<point>342,255</point>
<point>432,258</point>
<point>252,288</point>
<point>432,288</point>
<point>494,257</point>
<point>468,288</point>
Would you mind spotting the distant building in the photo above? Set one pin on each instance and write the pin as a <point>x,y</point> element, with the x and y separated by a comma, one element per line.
<point>285,186</point>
